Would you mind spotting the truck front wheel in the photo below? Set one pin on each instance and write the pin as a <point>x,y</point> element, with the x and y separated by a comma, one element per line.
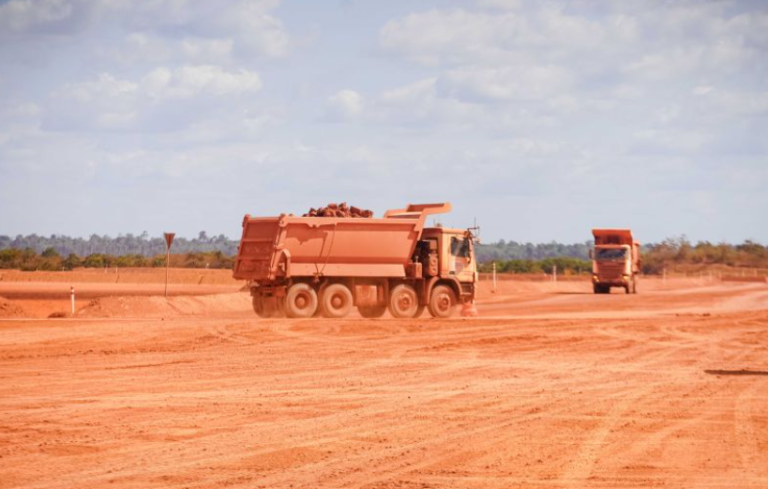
<point>301,301</point>
<point>336,301</point>
<point>442,302</point>
<point>403,302</point>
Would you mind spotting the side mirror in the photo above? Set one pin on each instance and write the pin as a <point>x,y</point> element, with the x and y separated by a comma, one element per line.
<point>591,254</point>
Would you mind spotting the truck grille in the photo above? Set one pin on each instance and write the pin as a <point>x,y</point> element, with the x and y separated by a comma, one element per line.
<point>610,271</point>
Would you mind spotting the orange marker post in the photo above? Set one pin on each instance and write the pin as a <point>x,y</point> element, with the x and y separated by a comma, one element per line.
<point>168,242</point>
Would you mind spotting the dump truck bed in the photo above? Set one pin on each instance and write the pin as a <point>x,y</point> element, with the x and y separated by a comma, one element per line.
<point>292,246</point>
<point>612,236</point>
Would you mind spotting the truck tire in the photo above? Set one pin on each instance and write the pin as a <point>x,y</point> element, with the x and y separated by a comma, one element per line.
<point>601,289</point>
<point>258,305</point>
<point>404,302</point>
<point>300,301</point>
<point>442,302</point>
<point>372,312</point>
<point>336,301</point>
<point>634,285</point>
<point>266,308</point>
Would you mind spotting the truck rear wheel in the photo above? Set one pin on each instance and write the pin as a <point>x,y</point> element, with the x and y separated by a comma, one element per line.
<point>372,312</point>
<point>301,301</point>
<point>442,302</point>
<point>404,302</point>
<point>336,301</point>
<point>258,305</point>
<point>267,307</point>
<point>634,285</point>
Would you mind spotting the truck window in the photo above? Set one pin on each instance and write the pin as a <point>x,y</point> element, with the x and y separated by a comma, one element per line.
<point>602,254</point>
<point>460,247</point>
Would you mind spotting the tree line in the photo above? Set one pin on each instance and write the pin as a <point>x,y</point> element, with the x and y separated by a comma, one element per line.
<point>564,264</point>
<point>673,252</point>
<point>512,250</point>
<point>512,257</point>
<point>57,252</point>
<point>127,244</point>
<point>51,260</point>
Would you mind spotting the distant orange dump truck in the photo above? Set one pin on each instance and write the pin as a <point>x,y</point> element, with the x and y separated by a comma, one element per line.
<point>309,266</point>
<point>615,261</point>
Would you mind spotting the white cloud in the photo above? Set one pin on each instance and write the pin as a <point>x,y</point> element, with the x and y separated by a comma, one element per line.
<point>21,15</point>
<point>104,86</point>
<point>507,83</point>
<point>254,29</point>
<point>152,102</point>
<point>148,48</point>
<point>346,104</point>
<point>500,4</point>
<point>193,29</point>
<point>189,81</point>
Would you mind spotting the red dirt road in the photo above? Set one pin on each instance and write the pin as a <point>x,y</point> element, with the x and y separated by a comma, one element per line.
<point>551,387</point>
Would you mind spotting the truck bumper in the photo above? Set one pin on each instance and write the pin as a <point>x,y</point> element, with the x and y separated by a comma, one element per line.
<point>622,281</point>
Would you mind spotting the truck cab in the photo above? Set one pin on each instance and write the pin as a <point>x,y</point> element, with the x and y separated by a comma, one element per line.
<point>455,253</point>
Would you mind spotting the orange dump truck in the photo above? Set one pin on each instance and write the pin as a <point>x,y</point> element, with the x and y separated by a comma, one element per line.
<point>309,266</point>
<point>615,261</point>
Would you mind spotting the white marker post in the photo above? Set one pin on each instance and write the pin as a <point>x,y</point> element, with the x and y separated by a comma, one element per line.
<point>554,273</point>
<point>494,277</point>
<point>72,299</point>
<point>168,242</point>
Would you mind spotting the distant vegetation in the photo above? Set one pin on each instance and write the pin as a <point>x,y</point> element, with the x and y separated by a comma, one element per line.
<point>672,253</point>
<point>512,250</point>
<point>51,260</point>
<point>676,252</point>
<point>564,264</point>
<point>56,252</point>
<point>127,244</point>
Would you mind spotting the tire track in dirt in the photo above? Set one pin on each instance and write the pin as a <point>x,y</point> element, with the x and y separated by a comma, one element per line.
<point>754,460</point>
<point>591,448</point>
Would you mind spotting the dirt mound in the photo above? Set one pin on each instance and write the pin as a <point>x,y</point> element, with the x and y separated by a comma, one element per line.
<point>159,306</point>
<point>9,309</point>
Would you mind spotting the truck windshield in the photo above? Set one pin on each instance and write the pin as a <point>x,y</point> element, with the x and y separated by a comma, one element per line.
<point>460,247</point>
<point>602,254</point>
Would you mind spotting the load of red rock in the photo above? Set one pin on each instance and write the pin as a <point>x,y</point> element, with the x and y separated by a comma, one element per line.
<point>339,210</point>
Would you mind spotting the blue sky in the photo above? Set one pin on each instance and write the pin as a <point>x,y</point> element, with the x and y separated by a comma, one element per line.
<point>540,119</point>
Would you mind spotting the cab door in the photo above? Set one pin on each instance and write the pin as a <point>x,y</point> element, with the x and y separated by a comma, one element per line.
<point>461,262</point>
